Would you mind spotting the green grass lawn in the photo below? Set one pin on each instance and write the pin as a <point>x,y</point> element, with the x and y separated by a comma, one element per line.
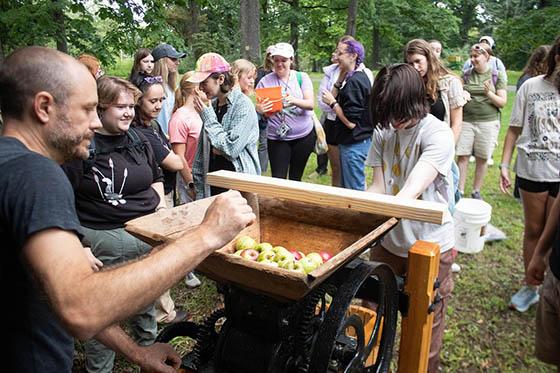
<point>482,334</point>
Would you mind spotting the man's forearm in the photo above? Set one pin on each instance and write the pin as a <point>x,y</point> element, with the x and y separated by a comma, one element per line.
<point>117,340</point>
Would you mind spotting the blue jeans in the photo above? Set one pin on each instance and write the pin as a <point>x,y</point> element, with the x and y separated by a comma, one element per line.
<point>352,164</point>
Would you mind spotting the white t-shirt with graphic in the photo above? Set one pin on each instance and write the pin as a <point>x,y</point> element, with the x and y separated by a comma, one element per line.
<point>537,111</point>
<point>398,152</point>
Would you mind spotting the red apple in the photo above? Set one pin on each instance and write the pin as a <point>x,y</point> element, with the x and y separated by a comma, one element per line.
<point>325,256</point>
<point>297,254</point>
<point>250,254</point>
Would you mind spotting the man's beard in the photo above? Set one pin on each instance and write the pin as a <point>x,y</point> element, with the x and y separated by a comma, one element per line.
<point>66,142</point>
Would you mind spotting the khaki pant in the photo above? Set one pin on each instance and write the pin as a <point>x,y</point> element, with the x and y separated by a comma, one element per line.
<point>380,254</point>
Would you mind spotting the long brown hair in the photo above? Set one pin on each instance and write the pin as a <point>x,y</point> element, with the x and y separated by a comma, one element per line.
<point>554,51</point>
<point>184,90</point>
<point>537,63</point>
<point>435,71</point>
<point>139,56</point>
<point>169,78</point>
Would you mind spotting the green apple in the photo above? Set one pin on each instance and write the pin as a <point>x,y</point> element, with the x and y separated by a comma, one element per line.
<point>298,267</point>
<point>268,262</point>
<point>286,263</point>
<point>264,246</point>
<point>279,248</point>
<point>308,264</point>
<point>238,252</point>
<point>282,255</point>
<point>244,243</point>
<point>316,257</point>
<point>266,255</point>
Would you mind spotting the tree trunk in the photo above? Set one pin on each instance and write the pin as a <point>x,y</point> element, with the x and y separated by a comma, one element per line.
<point>60,29</point>
<point>249,23</point>
<point>376,47</point>
<point>294,30</point>
<point>352,17</point>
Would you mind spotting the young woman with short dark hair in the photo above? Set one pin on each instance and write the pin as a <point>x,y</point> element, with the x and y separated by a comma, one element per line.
<point>411,156</point>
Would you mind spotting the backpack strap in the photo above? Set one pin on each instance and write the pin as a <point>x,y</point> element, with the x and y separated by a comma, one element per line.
<point>495,72</point>
<point>94,150</point>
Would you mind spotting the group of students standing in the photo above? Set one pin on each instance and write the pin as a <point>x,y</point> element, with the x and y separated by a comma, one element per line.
<point>159,139</point>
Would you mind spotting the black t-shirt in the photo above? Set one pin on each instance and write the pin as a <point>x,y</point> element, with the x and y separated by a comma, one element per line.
<point>34,195</point>
<point>353,98</point>
<point>161,148</point>
<point>117,187</point>
<point>554,259</point>
<point>437,109</point>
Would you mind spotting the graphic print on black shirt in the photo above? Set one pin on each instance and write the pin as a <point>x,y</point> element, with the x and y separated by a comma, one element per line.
<point>118,186</point>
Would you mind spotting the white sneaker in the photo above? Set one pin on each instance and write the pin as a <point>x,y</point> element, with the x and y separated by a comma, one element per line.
<point>192,281</point>
<point>455,268</point>
<point>490,162</point>
<point>524,298</point>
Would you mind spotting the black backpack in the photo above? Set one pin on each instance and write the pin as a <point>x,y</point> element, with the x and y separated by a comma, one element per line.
<point>134,147</point>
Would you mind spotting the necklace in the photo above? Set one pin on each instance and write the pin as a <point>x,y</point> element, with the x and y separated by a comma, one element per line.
<point>395,170</point>
<point>284,85</point>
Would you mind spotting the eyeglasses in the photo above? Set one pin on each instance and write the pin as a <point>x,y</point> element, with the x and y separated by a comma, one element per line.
<point>340,53</point>
<point>152,79</point>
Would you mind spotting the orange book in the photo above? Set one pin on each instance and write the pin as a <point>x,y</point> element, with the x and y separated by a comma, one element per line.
<point>274,94</point>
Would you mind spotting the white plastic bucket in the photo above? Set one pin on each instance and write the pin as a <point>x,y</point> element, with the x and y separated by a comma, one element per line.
<point>471,217</point>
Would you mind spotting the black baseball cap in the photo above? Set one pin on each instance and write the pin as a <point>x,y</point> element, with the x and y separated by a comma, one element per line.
<point>166,50</point>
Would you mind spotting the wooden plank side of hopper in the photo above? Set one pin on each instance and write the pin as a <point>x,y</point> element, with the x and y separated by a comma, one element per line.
<point>352,251</point>
<point>323,195</point>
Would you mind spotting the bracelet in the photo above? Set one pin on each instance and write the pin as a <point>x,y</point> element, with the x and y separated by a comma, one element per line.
<point>190,185</point>
<point>504,165</point>
<point>333,104</point>
<point>160,208</point>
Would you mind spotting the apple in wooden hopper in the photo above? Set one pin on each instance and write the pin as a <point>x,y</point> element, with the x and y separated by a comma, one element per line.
<point>298,267</point>
<point>325,256</point>
<point>297,254</point>
<point>244,243</point>
<point>250,254</point>
<point>264,246</point>
<point>271,263</point>
<point>308,264</point>
<point>287,263</point>
<point>266,256</point>
<point>316,257</point>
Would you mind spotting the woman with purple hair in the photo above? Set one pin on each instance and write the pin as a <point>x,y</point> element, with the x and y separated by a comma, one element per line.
<point>349,99</point>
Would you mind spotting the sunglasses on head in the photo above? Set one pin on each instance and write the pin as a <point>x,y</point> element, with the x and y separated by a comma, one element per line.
<point>479,48</point>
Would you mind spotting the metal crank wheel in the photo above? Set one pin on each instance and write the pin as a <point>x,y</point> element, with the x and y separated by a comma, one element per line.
<point>341,344</point>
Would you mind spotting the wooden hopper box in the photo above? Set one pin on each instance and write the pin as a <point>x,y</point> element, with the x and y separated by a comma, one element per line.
<point>300,216</point>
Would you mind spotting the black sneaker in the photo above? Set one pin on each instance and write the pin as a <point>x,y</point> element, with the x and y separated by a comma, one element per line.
<point>476,195</point>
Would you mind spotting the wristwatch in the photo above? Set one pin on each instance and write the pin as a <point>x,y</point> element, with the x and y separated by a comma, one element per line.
<point>338,85</point>
<point>190,185</point>
<point>332,104</point>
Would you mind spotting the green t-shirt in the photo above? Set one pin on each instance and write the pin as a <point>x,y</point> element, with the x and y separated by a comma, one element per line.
<point>480,108</point>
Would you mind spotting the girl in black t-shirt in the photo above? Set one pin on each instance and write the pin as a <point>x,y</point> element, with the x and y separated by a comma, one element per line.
<point>147,109</point>
<point>121,181</point>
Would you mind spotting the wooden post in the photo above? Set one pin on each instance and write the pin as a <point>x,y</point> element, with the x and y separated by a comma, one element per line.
<point>416,334</point>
